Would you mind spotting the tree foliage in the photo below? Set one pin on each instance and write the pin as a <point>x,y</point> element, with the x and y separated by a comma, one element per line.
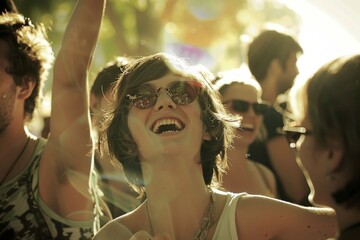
<point>209,30</point>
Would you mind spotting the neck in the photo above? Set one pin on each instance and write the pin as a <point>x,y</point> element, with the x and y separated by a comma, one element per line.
<point>237,155</point>
<point>10,166</point>
<point>11,139</point>
<point>176,196</point>
<point>168,180</point>
<point>181,217</point>
<point>238,167</point>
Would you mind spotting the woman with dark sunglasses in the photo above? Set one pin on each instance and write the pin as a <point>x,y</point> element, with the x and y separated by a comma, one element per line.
<point>242,96</point>
<point>327,140</point>
<point>170,132</point>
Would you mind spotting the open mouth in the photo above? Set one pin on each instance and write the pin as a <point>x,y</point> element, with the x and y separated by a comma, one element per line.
<point>247,127</point>
<point>167,125</point>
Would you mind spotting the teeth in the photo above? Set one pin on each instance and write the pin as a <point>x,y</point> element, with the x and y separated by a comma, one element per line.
<point>167,122</point>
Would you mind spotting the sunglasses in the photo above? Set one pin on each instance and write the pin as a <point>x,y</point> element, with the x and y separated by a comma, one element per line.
<point>293,134</point>
<point>180,92</point>
<point>242,106</point>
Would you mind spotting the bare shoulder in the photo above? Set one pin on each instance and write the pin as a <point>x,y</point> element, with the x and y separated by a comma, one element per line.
<point>258,203</point>
<point>257,210</point>
<point>280,219</point>
<point>268,206</point>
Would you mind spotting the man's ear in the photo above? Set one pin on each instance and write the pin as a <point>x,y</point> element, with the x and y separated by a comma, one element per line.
<point>26,88</point>
<point>275,67</point>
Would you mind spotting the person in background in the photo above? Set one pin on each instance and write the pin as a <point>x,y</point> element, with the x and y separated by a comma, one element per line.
<point>8,6</point>
<point>118,195</point>
<point>44,184</point>
<point>327,139</point>
<point>272,58</point>
<point>170,132</point>
<point>243,97</point>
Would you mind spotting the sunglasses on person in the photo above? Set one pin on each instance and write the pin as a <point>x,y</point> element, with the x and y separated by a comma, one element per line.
<point>180,92</point>
<point>293,134</point>
<point>241,106</point>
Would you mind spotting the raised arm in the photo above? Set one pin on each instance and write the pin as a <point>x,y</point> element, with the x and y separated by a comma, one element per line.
<point>70,124</point>
<point>66,161</point>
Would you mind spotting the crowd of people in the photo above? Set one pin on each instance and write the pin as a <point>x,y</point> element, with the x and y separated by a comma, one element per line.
<point>157,148</point>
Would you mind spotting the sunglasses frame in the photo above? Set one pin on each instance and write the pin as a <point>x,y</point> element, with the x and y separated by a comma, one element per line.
<point>137,99</point>
<point>293,134</point>
<point>248,104</point>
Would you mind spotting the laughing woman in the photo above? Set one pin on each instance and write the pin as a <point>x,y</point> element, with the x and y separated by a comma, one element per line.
<point>242,96</point>
<point>170,132</point>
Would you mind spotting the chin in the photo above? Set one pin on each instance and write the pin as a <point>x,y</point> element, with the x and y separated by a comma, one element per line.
<point>247,140</point>
<point>245,137</point>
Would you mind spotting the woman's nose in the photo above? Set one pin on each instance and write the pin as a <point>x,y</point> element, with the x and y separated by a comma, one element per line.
<point>164,100</point>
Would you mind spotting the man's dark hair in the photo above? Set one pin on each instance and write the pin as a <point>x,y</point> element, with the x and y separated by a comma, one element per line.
<point>267,46</point>
<point>30,54</point>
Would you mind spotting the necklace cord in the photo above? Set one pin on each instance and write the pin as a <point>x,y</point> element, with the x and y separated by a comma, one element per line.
<point>207,221</point>
<point>14,162</point>
<point>148,217</point>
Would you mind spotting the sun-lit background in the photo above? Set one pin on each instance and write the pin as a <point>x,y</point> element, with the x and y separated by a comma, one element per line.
<point>214,33</point>
<point>328,29</point>
<point>211,32</point>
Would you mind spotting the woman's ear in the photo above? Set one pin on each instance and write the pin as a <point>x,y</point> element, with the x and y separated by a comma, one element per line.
<point>206,135</point>
<point>334,156</point>
<point>93,101</point>
<point>26,88</point>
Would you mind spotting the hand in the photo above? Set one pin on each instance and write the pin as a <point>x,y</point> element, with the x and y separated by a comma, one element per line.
<point>161,237</point>
<point>143,235</point>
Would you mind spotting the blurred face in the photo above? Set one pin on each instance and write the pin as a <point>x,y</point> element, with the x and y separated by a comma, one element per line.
<point>290,72</point>
<point>312,160</point>
<point>168,124</point>
<point>251,122</point>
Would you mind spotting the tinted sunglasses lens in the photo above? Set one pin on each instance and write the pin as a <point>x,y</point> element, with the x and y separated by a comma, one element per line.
<point>144,97</point>
<point>183,93</point>
<point>240,106</point>
<point>260,108</point>
<point>292,138</point>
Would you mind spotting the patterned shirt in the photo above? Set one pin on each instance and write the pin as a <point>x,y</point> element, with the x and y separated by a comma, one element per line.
<point>24,216</point>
